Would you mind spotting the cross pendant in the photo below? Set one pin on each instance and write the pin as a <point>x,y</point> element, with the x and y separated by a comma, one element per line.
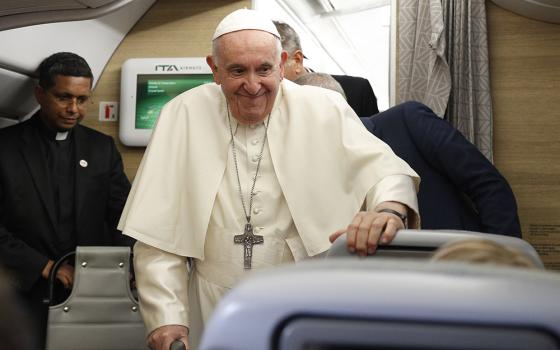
<point>248,239</point>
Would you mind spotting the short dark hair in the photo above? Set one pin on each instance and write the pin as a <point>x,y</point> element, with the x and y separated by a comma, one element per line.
<point>62,63</point>
<point>288,37</point>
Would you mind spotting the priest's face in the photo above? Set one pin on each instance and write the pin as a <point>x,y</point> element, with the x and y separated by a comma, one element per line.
<point>249,66</point>
<point>64,104</point>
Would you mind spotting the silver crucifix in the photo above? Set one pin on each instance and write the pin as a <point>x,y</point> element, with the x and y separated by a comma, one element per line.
<point>248,239</point>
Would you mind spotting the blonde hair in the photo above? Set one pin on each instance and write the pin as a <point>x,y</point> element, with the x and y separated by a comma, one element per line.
<point>482,251</point>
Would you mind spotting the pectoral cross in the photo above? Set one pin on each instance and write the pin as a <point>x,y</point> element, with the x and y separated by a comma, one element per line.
<point>248,239</point>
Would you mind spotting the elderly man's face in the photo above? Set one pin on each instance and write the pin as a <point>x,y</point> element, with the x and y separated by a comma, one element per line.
<point>294,66</point>
<point>249,69</point>
<point>291,70</point>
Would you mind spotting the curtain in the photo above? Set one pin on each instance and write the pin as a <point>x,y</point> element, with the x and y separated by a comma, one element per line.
<point>443,63</point>
<point>423,71</point>
<point>470,104</point>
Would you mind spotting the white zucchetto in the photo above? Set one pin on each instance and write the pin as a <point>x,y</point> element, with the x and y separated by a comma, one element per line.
<point>245,19</point>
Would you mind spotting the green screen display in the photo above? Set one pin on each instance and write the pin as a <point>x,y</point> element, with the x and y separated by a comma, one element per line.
<point>153,91</point>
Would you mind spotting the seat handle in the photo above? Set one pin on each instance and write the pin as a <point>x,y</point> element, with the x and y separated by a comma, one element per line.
<point>177,345</point>
<point>52,274</point>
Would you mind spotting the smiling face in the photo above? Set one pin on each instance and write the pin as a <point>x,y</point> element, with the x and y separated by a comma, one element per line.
<point>249,66</point>
<point>64,104</point>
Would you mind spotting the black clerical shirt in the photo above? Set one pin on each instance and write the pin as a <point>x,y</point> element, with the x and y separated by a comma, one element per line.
<point>60,155</point>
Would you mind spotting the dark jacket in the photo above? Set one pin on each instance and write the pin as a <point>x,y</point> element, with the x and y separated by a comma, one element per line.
<point>459,188</point>
<point>359,94</point>
<point>27,226</point>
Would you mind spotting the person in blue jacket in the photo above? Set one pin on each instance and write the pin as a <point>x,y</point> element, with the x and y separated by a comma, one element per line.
<point>460,189</point>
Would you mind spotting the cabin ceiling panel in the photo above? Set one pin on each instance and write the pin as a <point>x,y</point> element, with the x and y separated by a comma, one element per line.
<point>13,7</point>
<point>94,3</point>
<point>22,49</point>
<point>15,13</point>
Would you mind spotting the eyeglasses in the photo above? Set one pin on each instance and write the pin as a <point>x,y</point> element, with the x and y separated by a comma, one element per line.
<point>67,100</point>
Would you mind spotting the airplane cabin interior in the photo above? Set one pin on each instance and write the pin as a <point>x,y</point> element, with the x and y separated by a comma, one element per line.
<point>143,53</point>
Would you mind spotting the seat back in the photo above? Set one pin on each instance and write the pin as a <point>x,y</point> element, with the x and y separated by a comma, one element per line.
<point>101,312</point>
<point>385,303</point>
<point>413,244</point>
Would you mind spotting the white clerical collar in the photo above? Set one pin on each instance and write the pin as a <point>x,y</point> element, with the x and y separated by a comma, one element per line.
<point>60,136</point>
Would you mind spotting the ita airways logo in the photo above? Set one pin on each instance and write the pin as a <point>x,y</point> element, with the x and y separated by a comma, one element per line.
<point>177,68</point>
<point>108,111</point>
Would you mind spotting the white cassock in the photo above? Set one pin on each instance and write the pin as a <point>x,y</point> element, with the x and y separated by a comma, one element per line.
<point>319,166</point>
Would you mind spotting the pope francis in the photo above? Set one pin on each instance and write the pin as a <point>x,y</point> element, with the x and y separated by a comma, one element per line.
<point>248,173</point>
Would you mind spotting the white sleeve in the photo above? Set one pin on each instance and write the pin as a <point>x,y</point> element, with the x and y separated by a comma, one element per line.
<point>396,188</point>
<point>162,280</point>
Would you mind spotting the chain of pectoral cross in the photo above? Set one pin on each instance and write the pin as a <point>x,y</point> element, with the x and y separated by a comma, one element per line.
<point>248,238</point>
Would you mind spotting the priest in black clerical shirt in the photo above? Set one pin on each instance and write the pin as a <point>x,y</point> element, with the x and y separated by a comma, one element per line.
<point>61,184</point>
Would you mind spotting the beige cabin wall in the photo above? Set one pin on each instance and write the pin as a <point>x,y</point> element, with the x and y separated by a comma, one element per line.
<point>170,28</point>
<point>525,84</point>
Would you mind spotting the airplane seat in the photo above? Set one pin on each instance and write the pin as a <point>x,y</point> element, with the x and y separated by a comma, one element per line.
<point>101,312</point>
<point>422,243</point>
<point>346,303</point>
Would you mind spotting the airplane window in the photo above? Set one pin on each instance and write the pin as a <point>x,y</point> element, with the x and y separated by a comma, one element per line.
<point>343,37</point>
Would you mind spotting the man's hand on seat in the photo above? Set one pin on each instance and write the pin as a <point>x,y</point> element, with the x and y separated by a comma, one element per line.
<point>65,273</point>
<point>370,228</point>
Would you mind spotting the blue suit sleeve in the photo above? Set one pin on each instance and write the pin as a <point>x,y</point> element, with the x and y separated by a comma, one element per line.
<point>447,150</point>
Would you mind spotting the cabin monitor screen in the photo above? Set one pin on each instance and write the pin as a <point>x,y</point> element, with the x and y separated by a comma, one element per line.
<point>147,84</point>
<point>154,91</point>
